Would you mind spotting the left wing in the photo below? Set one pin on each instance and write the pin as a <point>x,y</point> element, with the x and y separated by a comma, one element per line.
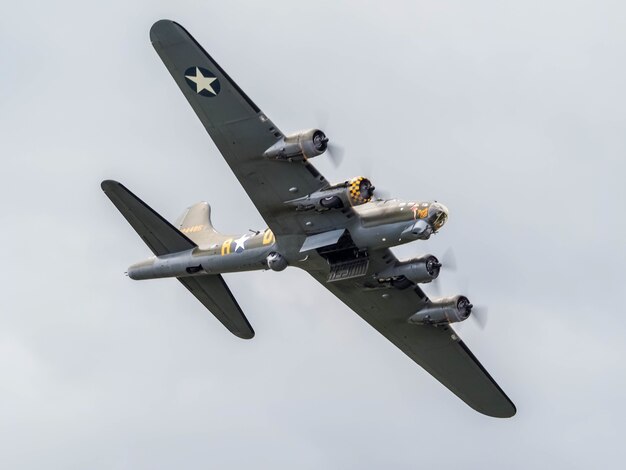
<point>439,350</point>
<point>241,132</point>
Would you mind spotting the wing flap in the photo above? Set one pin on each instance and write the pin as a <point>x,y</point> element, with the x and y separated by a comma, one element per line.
<point>214,294</point>
<point>160,236</point>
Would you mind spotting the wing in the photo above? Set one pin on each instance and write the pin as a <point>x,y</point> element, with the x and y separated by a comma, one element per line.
<point>240,131</point>
<point>439,350</point>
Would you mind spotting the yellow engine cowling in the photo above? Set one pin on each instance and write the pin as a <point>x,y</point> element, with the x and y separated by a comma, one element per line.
<point>353,192</point>
<point>360,190</point>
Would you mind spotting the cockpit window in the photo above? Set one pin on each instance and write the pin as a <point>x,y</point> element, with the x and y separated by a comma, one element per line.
<point>438,215</point>
<point>440,220</point>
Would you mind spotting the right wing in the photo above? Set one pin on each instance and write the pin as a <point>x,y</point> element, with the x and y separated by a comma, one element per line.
<point>439,350</point>
<point>242,133</point>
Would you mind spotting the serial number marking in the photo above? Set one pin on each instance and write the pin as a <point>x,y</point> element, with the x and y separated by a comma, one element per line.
<point>193,229</point>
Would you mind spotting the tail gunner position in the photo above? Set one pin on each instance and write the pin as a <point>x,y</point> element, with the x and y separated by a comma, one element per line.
<point>339,233</point>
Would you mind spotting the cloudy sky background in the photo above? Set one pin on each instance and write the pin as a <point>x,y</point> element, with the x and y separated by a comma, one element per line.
<point>511,113</point>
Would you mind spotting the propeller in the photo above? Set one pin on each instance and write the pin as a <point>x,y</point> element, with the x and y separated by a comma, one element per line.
<point>334,151</point>
<point>479,312</point>
<point>365,165</point>
<point>367,188</point>
<point>448,262</point>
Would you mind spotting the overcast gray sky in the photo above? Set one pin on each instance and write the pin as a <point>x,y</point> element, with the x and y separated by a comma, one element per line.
<point>511,113</point>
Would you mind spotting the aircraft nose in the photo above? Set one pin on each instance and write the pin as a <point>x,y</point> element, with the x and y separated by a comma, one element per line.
<point>438,207</point>
<point>438,215</point>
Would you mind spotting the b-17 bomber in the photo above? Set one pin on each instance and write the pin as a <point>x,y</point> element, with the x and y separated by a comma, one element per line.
<point>341,234</point>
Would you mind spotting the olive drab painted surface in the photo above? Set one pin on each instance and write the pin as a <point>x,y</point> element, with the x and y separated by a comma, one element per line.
<point>339,233</point>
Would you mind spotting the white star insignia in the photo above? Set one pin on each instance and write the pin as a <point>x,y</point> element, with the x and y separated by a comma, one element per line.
<point>202,82</point>
<point>239,243</point>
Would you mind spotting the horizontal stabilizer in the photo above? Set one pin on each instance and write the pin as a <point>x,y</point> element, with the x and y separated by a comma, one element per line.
<point>161,236</point>
<point>214,294</point>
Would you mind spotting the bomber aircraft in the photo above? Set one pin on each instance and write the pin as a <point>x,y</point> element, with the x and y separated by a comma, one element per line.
<point>340,233</point>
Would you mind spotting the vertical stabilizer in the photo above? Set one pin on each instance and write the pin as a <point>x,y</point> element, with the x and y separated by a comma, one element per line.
<point>196,224</point>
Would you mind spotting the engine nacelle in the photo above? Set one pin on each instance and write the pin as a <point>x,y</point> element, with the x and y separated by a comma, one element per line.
<point>443,311</point>
<point>419,270</point>
<point>299,146</point>
<point>276,261</point>
<point>353,192</point>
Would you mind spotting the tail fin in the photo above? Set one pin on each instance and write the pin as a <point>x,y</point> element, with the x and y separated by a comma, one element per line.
<point>196,224</point>
<point>163,238</point>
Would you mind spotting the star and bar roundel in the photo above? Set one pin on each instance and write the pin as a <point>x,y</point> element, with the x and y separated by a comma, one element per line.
<point>202,81</point>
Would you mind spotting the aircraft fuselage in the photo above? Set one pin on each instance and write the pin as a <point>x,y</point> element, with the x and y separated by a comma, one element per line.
<point>378,224</point>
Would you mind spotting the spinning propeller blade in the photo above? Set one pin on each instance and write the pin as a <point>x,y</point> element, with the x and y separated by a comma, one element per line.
<point>479,314</point>
<point>448,262</point>
<point>334,151</point>
<point>335,154</point>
